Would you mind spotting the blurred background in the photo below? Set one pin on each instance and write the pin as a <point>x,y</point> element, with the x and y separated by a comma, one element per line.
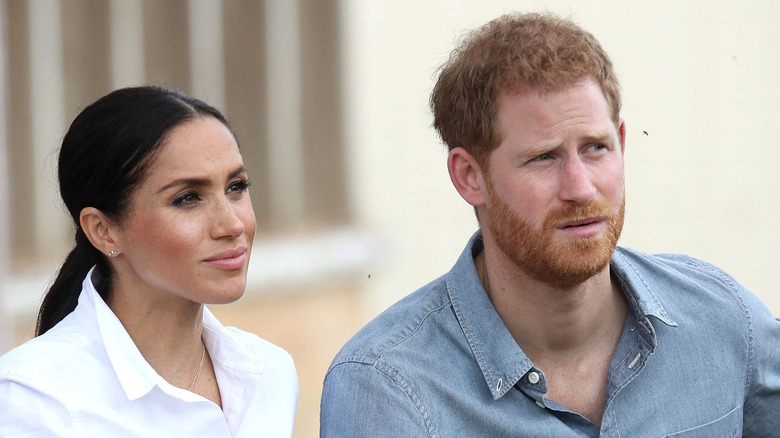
<point>329,102</point>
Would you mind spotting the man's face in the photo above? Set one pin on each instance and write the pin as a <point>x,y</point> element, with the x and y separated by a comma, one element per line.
<point>555,184</point>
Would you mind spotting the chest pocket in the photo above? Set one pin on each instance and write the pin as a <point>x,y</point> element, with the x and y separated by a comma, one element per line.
<point>727,426</point>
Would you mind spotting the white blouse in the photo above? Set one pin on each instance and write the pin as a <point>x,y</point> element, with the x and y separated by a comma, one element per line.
<point>86,378</point>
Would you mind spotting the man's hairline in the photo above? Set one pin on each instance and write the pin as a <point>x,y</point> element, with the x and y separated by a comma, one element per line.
<point>498,137</point>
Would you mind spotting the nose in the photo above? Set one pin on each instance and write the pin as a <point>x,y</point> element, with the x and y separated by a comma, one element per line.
<point>576,184</point>
<point>226,223</point>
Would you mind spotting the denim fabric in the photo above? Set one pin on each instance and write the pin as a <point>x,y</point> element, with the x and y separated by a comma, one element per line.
<point>699,356</point>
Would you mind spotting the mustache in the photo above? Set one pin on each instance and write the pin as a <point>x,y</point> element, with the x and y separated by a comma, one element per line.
<point>573,213</point>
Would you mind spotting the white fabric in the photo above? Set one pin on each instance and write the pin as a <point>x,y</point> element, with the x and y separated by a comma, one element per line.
<point>86,378</point>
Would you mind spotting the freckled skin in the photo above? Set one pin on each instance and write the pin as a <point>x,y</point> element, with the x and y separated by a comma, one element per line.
<point>561,160</point>
<point>552,201</point>
<point>556,125</point>
<point>192,206</point>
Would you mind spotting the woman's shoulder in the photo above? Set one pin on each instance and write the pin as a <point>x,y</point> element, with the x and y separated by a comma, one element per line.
<point>262,348</point>
<point>253,354</point>
<point>243,348</point>
<point>51,356</point>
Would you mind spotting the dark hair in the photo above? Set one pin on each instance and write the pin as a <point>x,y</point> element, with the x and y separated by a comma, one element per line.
<point>515,52</point>
<point>105,155</point>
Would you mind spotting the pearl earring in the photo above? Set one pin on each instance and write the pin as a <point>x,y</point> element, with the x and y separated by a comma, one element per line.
<point>113,253</point>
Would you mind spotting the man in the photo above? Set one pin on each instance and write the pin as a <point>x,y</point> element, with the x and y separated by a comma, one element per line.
<point>543,328</point>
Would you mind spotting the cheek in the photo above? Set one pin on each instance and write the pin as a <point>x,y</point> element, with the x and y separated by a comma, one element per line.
<point>246,214</point>
<point>614,183</point>
<point>529,198</point>
<point>169,236</point>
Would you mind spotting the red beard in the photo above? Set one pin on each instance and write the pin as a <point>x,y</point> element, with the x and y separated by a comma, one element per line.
<point>545,255</point>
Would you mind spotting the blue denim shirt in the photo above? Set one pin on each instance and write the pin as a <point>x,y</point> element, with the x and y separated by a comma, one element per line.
<point>699,356</point>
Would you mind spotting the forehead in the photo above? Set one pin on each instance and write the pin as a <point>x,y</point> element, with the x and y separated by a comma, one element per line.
<point>203,144</point>
<point>549,113</point>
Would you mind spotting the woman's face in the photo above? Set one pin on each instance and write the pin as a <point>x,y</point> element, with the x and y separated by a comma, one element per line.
<point>190,228</point>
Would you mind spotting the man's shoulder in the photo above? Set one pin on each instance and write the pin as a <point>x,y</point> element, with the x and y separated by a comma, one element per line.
<point>683,282</point>
<point>400,326</point>
<point>667,265</point>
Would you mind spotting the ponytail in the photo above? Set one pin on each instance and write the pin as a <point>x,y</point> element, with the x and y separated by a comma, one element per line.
<point>104,157</point>
<point>63,295</point>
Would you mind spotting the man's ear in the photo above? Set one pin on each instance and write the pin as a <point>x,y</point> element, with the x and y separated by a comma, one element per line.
<point>467,177</point>
<point>99,230</point>
<point>622,135</point>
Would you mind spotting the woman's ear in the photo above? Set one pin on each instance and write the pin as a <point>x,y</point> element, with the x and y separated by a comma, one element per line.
<point>467,177</point>
<point>99,230</point>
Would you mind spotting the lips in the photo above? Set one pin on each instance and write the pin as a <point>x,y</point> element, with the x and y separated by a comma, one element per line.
<point>583,228</point>
<point>581,222</point>
<point>229,260</point>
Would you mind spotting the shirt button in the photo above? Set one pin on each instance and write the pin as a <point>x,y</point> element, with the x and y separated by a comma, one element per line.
<point>533,377</point>
<point>541,405</point>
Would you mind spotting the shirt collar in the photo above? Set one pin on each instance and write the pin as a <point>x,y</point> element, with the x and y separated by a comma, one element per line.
<point>226,350</point>
<point>135,375</point>
<point>501,360</point>
<point>637,287</point>
<point>238,369</point>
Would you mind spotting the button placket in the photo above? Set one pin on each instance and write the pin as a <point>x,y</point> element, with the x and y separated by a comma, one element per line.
<point>534,387</point>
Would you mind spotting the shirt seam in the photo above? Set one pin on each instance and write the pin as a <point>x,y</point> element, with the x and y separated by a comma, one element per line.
<point>748,322</point>
<point>29,382</point>
<point>399,379</point>
<point>371,359</point>
<point>402,383</point>
<point>414,330</point>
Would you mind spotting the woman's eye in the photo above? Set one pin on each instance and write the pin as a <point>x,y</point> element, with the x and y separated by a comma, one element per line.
<point>186,199</point>
<point>239,186</point>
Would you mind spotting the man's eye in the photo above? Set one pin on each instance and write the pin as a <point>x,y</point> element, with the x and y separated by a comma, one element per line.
<point>543,157</point>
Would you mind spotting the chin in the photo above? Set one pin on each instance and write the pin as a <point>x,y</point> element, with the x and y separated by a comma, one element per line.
<point>232,296</point>
<point>223,291</point>
<point>223,299</point>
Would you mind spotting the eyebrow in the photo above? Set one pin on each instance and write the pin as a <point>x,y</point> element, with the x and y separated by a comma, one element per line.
<point>199,182</point>
<point>545,148</point>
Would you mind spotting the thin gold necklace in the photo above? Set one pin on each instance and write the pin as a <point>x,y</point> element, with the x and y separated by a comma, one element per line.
<point>197,373</point>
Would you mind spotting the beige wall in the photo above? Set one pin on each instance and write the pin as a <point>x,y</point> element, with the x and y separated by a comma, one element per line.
<point>271,66</point>
<point>698,76</point>
<point>330,102</point>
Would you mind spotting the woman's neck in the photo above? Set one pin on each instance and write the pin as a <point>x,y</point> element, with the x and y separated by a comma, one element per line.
<point>166,331</point>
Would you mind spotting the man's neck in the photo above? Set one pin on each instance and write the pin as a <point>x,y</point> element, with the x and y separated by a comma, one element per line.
<point>570,334</point>
<point>546,319</point>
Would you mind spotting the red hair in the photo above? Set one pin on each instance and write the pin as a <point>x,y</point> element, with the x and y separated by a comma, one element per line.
<point>513,53</point>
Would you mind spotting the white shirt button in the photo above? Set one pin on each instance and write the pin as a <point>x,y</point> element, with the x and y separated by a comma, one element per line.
<point>541,405</point>
<point>533,377</point>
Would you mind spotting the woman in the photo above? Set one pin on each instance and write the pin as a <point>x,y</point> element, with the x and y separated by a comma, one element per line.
<point>157,189</point>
